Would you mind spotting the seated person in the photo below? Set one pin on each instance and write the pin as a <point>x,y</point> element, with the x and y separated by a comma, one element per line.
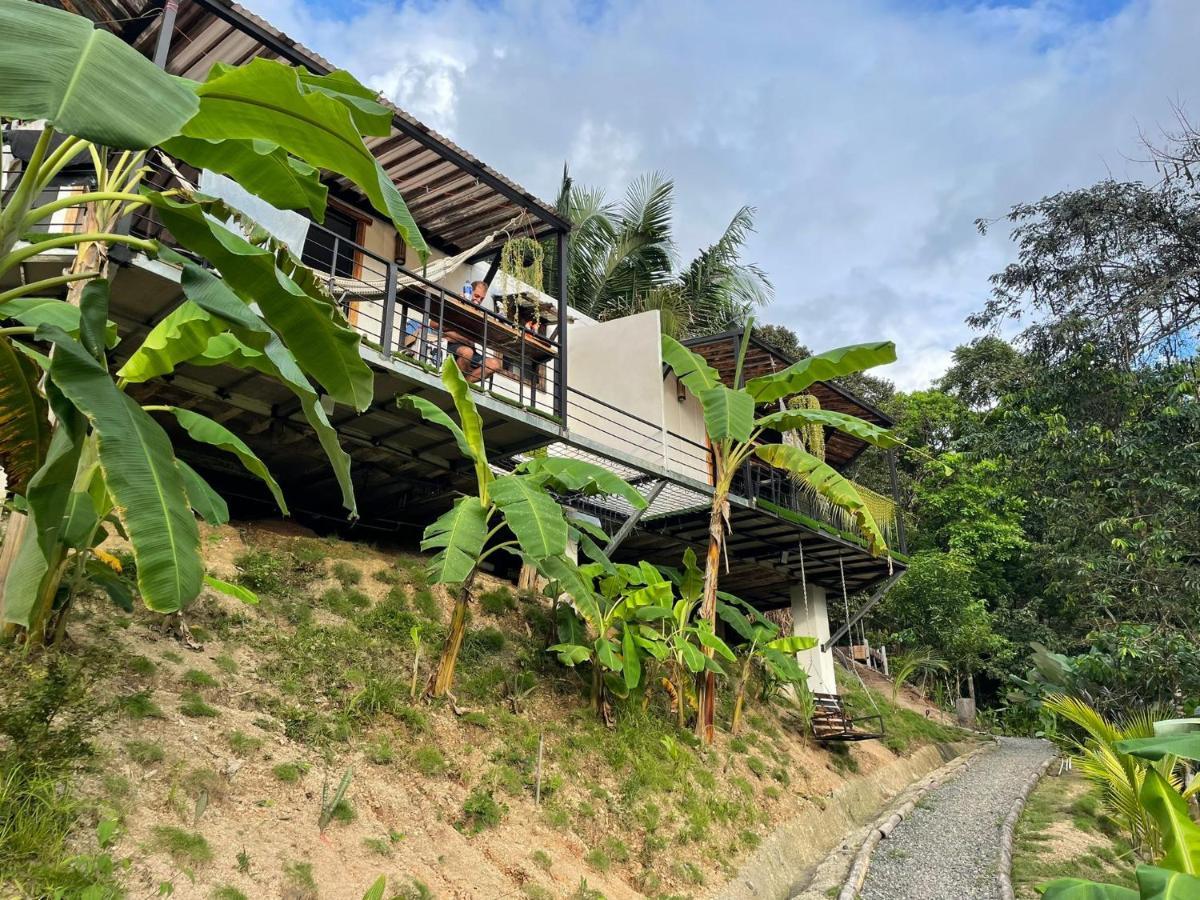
<point>473,363</point>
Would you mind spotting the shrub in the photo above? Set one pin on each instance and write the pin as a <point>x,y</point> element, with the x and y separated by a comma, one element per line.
<point>262,571</point>
<point>542,859</point>
<point>598,860</point>
<point>480,812</point>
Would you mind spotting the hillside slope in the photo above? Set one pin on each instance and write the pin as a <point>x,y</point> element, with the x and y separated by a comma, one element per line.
<point>215,766</point>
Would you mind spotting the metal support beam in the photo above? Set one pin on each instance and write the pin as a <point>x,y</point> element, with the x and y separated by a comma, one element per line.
<point>560,386</point>
<point>631,523</point>
<point>854,619</point>
<point>166,28</point>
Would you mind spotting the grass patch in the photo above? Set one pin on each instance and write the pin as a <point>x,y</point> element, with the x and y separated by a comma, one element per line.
<point>228,892</point>
<point>497,601</point>
<point>144,752</point>
<point>429,761</point>
<point>480,812</point>
<point>226,664</point>
<point>298,877</point>
<point>193,706</point>
<point>139,706</point>
<point>290,772</point>
<point>199,679</point>
<point>243,744</point>
<point>346,574</point>
<point>184,847</point>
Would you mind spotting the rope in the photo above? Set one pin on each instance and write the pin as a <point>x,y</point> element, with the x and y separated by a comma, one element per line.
<point>850,637</point>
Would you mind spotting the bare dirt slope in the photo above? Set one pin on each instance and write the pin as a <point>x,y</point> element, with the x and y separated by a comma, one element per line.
<point>219,760</point>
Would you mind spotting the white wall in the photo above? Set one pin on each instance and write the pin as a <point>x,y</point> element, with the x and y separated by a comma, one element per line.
<point>812,618</point>
<point>687,441</point>
<point>620,363</point>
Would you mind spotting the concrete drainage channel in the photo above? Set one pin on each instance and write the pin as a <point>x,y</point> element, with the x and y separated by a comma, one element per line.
<point>839,869</point>
<point>1008,829</point>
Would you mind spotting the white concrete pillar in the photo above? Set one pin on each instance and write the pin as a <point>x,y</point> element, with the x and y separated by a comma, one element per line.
<point>809,617</point>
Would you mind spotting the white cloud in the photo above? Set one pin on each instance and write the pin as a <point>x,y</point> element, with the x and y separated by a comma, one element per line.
<point>870,134</point>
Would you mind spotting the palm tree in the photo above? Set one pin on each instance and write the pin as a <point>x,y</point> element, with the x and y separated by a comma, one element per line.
<point>622,261</point>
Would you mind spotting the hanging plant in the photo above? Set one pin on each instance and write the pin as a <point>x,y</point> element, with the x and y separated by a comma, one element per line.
<point>521,258</point>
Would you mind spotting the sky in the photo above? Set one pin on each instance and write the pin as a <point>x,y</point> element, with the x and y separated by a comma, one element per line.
<point>869,135</point>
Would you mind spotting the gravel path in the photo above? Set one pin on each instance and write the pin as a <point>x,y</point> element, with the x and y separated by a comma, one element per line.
<point>947,848</point>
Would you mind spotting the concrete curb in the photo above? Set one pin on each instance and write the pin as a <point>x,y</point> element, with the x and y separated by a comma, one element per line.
<point>1008,830</point>
<point>887,823</point>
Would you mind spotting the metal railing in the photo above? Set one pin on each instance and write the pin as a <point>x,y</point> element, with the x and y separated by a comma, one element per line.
<point>398,312</point>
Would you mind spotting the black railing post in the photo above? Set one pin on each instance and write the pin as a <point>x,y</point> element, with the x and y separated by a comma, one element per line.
<point>560,371</point>
<point>901,537</point>
<point>389,310</point>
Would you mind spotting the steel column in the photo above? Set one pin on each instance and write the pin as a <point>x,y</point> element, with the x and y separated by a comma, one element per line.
<point>166,28</point>
<point>560,387</point>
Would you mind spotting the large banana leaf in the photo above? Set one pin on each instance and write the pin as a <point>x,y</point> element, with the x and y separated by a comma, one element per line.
<point>311,327</point>
<point>458,535</point>
<point>24,420</point>
<point>208,504</point>
<point>533,516</point>
<point>1156,883</point>
<point>575,476</point>
<point>370,116</point>
<point>270,356</point>
<point>35,311</point>
<point>792,419</point>
<point>727,413</point>
<point>691,368</point>
<point>203,429</point>
<point>469,418</point>
<point>826,481</point>
<point>85,81</point>
<point>1180,835</point>
<point>570,580</point>
<point>834,364</point>
<point>1078,889</point>
<point>182,334</point>
<point>262,168</point>
<point>1185,746</point>
<point>267,100</point>
<point>140,472</point>
<point>48,493</point>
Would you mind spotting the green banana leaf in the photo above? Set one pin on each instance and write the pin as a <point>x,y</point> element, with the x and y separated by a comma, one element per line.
<point>431,412</point>
<point>470,421</point>
<point>119,591</point>
<point>833,364</point>
<point>727,413</point>
<point>207,503</point>
<point>1180,835</point>
<point>571,654</point>
<point>370,116</point>
<point>48,494</point>
<point>533,516</point>
<point>792,643</point>
<point>631,660</point>
<point>1156,883</point>
<point>203,429</point>
<point>375,891</point>
<point>1078,889</point>
<point>85,81</point>
<point>792,419</point>
<point>24,418</point>
<point>575,476</point>
<point>93,314</point>
<point>784,666</point>
<point>178,337</point>
<point>1185,746</point>
<point>606,653</point>
<point>35,311</point>
<point>311,327</point>
<point>269,355</point>
<point>569,579</point>
<point>705,633</point>
<point>690,368</point>
<point>736,620</point>
<point>827,482</point>
<point>236,591</point>
<point>267,100</point>
<point>458,535</point>
<point>262,168</point>
<point>140,472</point>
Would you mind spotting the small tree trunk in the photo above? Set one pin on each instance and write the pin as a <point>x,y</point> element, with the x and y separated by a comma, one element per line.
<point>527,580</point>
<point>443,676</point>
<point>598,690</point>
<point>15,533</point>
<point>706,683</point>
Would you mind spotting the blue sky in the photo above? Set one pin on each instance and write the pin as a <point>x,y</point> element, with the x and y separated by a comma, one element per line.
<point>868,134</point>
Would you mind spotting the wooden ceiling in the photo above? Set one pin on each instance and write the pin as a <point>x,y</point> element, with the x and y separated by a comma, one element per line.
<point>721,351</point>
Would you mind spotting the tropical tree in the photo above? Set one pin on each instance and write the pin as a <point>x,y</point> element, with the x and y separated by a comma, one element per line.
<point>85,453</point>
<point>515,513</point>
<point>609,622</point>
<point>623,257</point>
<point>772,653</point>
<point>735,432</point>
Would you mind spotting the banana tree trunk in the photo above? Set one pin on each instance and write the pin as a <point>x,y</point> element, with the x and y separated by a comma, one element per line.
<point>443,676</point>
<point>706,682</point>
<point>739,702</point>
<point>598,690</point>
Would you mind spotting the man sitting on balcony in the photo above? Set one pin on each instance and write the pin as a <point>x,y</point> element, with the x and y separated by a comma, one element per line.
<point>475,364</point>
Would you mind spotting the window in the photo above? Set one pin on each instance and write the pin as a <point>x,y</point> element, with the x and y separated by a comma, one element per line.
<point>330,247</point>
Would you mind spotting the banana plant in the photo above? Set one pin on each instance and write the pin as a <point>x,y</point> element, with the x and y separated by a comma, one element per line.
<point>735,433</point>
<point>514,513</point>
<point>609,622</point>
<point>86,455</point>
<point>1175,872</point>
<point>763,648</point>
